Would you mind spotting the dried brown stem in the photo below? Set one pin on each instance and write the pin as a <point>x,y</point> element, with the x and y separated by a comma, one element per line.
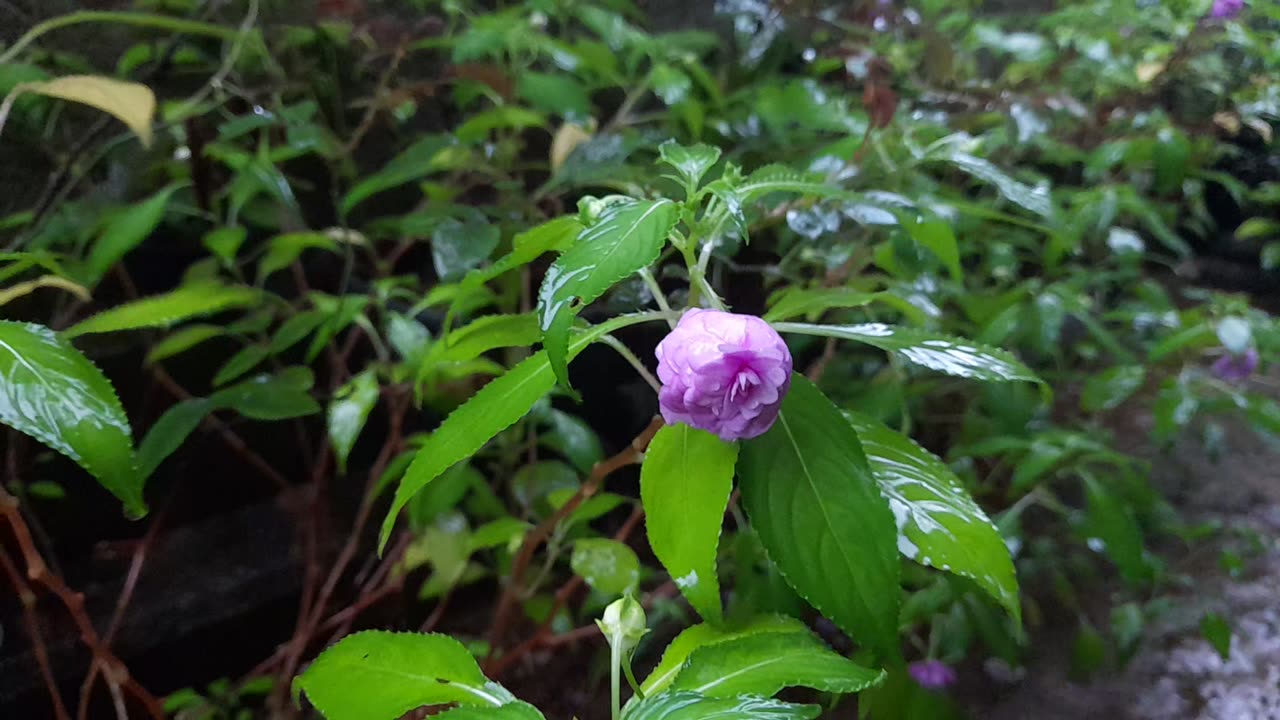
<point>28,599</point>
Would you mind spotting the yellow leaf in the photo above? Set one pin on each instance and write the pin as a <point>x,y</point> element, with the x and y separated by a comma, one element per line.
<point>568,137</point>
<point>133,104</point>
<point>1147,72</point>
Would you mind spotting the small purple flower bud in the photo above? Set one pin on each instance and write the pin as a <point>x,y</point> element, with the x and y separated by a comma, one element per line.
<point>1226,9</point>
<point>932,674</point>
<point>723,373</point>
<point>1236,368</point>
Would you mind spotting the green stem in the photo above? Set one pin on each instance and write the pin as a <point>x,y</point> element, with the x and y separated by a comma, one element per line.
<point>656,290</point>
<point>615,679</point>
<point>176,25</point>
<point>631,358</point>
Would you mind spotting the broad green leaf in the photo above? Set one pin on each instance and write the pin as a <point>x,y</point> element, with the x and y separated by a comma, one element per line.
<point>797,301</point>
<point>132,103</point>
<point>1109,389</point>
<point>166,309</point>
<point>1171,153</point>
<point>182,340</point>
<point>225,242</point>
<point>685,483</point>
<point>417,161</point>
<point>559,93</point>
<point>936,235</point>
<point>54,394</point>
<point>1035,200</point>
<point>493,409</point>
<point>1110,527</point>
<point>939,524</point>
<point>779,178</point>
<point>169,432</point>
<point>293,330</point>
<point>246,359</point>
<point>627,238</point>
<point>408,337</point>
<point>692,706</point>
<point>1217,632</point>
<point>125,231</point>
<point>375,675</point>
<point>348,411</point>
<point>811,497</point>
<point>943,353</point>
<point>766,663</point>
<point>442,495</point>
<point>271,397</point>
<point>691,161</point>
<point>607,565</point>
<point>698,636</point>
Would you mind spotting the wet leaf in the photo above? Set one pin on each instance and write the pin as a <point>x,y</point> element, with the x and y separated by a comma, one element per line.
<point>627,238</point>
<point>282,250</point>
<point>489,333</point>
<point>691,161</point>
<point>811,496</point>
<point>124,232</point>
<point>1110,528</point>
<point>417,161</point>
<point>54,394</point>
<point>348,411</point>
<point>607,565</point>
<point>281,396</point>
<point>763,664</point>
<point>376,675</point>
<point>938,238</point>
<point>167,309</point>
<point>685,483</point>
<point>169,432</point>
<point>246,359</point>
<point>559,94</point>
<point>1035,200</point>
<point>457,246</point>
<point>510,711</point>
<point>796,301</point>
<point>939,524</point>
<point>556,235</point>
<point>943,353</point>
<point>573,438</point>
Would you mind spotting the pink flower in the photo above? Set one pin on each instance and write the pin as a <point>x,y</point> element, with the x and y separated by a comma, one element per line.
<point>932,674</point>
<point>723,373</point>
<point>1226,9</point>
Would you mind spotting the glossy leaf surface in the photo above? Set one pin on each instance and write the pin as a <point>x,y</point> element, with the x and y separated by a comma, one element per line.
<point>813,500</point>
<point>166,309</point>
<point>692,706</point>
<point>765,663</point>
<point>54,394</point>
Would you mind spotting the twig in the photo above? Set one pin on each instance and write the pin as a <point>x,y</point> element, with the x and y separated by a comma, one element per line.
<point>113,670</point>
<point>28,600</point>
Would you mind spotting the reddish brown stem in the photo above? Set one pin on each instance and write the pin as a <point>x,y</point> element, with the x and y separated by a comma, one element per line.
<point>515,584</point>
<point>28,600</point>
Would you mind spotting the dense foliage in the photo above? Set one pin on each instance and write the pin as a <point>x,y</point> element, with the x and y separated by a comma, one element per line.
<point>437,243</point>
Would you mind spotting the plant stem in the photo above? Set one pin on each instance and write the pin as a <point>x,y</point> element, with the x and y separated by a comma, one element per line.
<point>630,357</point>
<point>656,290</point>
<point>162,22</point>
<point>615,679</point>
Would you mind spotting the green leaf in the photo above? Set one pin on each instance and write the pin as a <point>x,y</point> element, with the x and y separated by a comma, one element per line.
<point>181,340</point>
<point>811,497</point>
<point>282,250</point>
<point>627,238</point>
<point>348,411</point>
<point>1218,633</point>
<point>1110,527</point>
<point>1271,256</point>
<point>271,397</point>
<point>781,179</point>
<point>169,432</point>
<point>797,301</point>
<point>489,333</point>
<point>556,235</point>
<point>54,394</point>
<point>195,300</point>
<point>1172,154</point>
<point>692,706</point>
<point>505,117</point>
<point>457,246</point>
<point>939,524</point>
<point>417,161</point>
<point>698,636</point>
<point>560,94</point>
<point>246,359</point>
<point>607,565</point>
<point>691,161</point>
<point>510,711</point>
<point>685,483</point>
<point>493,409</point>
<point>124,232</point>
<point>1035,200</point>
<point>764,664</point>
<point>936,235</point>
<point>442,495</point>
<point>293,330</point>
<point>943,353</point>
<point>1109,389</point>
<point>225,242</point>
<point>573,438</point>
<point>377,675</point>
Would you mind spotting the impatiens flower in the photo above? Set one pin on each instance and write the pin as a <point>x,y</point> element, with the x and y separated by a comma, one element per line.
<point>1226,9</point>
<point>932,674</point>
<point>723,373</point>
<point>1236,368</point>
